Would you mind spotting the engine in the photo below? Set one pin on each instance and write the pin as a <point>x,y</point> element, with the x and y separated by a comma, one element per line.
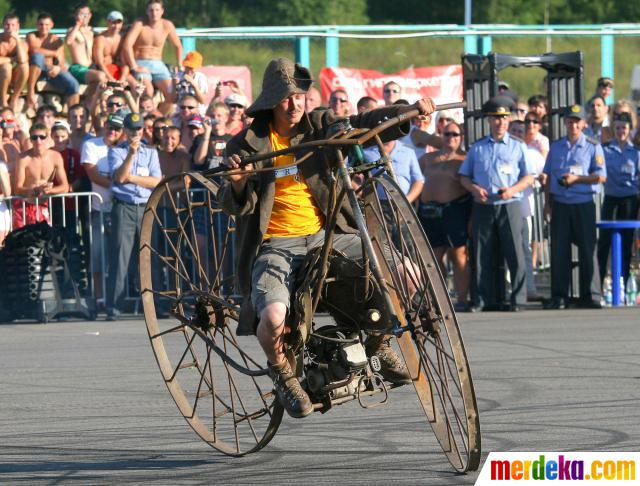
<point>336,364</point>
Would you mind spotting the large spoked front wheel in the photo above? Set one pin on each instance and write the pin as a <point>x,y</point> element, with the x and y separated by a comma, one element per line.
<point>432,347</point>
<point>216,378</point>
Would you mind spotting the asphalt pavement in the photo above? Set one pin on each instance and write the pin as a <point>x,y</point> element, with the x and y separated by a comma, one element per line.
<point>84,403</point>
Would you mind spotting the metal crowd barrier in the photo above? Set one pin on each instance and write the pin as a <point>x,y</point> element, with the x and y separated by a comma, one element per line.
<point>77,220</point>
<point>540,231</point>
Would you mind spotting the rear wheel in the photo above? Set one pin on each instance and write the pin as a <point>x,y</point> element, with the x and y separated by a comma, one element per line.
<point>217,379</point>
<point>432,347</point>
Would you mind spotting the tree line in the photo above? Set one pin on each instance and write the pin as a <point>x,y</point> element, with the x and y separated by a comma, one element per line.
<point>227,13</point>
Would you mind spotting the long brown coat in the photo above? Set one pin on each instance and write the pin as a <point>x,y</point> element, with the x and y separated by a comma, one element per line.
<point>253,211</point>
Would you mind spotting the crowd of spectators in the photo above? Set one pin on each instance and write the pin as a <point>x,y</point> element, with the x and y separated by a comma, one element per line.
<point>125,120</point>
<point>478,209</point>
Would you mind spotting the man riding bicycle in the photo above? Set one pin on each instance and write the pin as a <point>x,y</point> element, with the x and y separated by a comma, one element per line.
<point>280,214</point>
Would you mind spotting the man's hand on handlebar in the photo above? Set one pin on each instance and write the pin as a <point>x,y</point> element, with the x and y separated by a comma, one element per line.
<point>235,163</point>
<point>425,106</point>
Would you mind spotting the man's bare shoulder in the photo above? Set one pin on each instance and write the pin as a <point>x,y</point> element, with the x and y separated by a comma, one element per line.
<point>53,41</point>
<point>428,157</point>
<point>25,157</point>
<point>53,155</point>
<point>105,35</point>
<point>168,25</point>
<point>8,39</point>
<point>136,26</point>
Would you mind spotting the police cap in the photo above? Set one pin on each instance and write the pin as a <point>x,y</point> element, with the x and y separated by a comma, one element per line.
<point>575,111</point>
<point>498,106</point>
<point>133,121</point>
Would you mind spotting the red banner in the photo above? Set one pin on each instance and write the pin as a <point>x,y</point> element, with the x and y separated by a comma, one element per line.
<point>239,74</point>
<point>442,83</point>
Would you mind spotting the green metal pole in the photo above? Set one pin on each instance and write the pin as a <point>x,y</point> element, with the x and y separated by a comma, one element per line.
<point>471,44</point>
<point>607,60</point>
<point>303,56</point>
<point>484,46</point>
<point>333,49</point>
<point>188,44</point>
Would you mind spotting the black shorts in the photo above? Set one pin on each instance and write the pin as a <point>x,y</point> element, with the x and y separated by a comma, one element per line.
<point>447,226</point>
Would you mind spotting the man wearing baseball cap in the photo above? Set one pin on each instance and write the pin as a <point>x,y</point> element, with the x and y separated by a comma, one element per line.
<point>237,103</point>
<point>95,160</point>
<point>496,172</point>
<point>575,169</point>
<point>105,49</point>
<point>135,171</point>
<point>604,88</point>
<point>280,216</point>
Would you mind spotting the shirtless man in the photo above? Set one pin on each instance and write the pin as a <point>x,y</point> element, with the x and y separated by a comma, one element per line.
<point>46,59</point>
<point>79,40</point>
<point>173,159</point>
<point>445,209</point>
<point>142,49</point>
<point>14,61</point>
<point>39,172</point>
<point>106,49</point>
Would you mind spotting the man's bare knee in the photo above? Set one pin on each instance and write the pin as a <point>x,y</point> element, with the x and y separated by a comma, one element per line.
<point>6,72</point>
<point>273,315</point>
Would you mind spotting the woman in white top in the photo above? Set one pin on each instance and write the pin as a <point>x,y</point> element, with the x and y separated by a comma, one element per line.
<point>533,137</point>
<point>5,191</point>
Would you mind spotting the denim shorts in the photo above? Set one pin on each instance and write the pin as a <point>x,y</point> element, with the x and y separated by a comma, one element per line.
<point>63,82</point>
<point>158,70</point>
<point>275,269</point>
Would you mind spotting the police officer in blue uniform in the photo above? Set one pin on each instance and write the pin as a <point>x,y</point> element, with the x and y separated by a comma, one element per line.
<point>575,169</point>
<point>496,172</point>
<point>135,172</point>
<point>620,191</point>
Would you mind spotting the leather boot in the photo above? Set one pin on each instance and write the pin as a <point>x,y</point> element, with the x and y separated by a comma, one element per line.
<point>393,368</point>
<point>289,391</point>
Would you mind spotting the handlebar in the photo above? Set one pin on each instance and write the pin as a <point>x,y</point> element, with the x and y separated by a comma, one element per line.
<point>338,142</point>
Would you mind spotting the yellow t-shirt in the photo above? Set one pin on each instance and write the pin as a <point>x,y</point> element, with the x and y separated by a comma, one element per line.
<point>294,211</point>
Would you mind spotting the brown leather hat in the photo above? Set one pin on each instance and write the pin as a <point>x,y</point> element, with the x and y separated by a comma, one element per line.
<point>282,78</point>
